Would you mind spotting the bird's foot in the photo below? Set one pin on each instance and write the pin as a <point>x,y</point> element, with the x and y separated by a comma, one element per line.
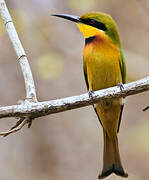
<point>121,86</point>
<point>90,93</point>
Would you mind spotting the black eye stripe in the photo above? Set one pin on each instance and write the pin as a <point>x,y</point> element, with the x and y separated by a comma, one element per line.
<point>94,23</point>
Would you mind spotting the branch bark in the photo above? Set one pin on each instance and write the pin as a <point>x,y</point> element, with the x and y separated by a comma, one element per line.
<point>34,110</point>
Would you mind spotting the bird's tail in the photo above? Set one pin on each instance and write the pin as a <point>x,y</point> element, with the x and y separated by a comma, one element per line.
<point>111,158</point>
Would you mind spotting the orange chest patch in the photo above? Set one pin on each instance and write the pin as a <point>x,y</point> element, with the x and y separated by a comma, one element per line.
<point>102,47</point>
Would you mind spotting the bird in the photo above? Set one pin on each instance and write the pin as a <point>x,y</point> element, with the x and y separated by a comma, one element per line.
<point>103,66</point>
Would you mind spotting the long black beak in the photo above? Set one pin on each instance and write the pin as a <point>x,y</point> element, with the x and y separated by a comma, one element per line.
<point>68,17</point>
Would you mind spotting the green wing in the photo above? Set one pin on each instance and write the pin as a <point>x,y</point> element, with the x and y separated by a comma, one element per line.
<point>85,74</point>
<point>123,71</point>
<point>122,66</point>
<point>87,84</point>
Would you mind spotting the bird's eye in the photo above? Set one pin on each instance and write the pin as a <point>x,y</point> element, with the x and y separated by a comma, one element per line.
<point>92,21</point>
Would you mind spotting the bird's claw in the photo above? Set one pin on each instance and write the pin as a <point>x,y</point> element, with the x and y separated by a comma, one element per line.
<point>90,93</point>
<point>121,86</point>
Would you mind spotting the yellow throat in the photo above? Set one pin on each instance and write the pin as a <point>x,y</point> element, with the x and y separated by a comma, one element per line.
<point>89,31</point>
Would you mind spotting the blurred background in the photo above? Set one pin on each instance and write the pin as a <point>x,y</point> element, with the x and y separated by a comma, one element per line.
<point>68,146</point>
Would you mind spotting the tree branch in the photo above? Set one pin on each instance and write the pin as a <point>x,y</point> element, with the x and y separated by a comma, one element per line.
<point>27,74</point>
<point>16,128</point>
<point>146,108</point>
<point>34,110</point>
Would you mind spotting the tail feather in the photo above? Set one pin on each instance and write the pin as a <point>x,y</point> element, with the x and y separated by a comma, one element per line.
<point>111,158</point>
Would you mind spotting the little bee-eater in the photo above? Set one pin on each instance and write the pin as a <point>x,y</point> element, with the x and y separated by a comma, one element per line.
<point>104,67</point>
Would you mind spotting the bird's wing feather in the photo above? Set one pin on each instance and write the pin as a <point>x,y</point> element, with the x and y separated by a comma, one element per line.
<point>123,72</point>
<point>87,84</point>
<point>122,106</point>
<point>122,66</point>
<point>85,74</point>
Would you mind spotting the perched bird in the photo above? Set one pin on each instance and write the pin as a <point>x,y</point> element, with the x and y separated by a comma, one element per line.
<point>104,67</point>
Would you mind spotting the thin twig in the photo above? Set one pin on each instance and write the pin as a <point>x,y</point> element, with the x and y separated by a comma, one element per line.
<point>40,109</point>
<point>25,67</point>
<point>17,128</point>
<point>146,108</point>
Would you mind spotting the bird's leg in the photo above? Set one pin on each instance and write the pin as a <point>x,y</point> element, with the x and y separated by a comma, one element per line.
<point>121,86</point>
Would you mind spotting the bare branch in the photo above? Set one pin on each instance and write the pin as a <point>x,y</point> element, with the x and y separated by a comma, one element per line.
<point>34,110</point>
<point>27,74</point>
<point>146,108</point>
<point>18,127</point>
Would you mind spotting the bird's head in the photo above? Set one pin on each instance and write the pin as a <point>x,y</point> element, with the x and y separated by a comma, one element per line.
<point>95,24</point>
